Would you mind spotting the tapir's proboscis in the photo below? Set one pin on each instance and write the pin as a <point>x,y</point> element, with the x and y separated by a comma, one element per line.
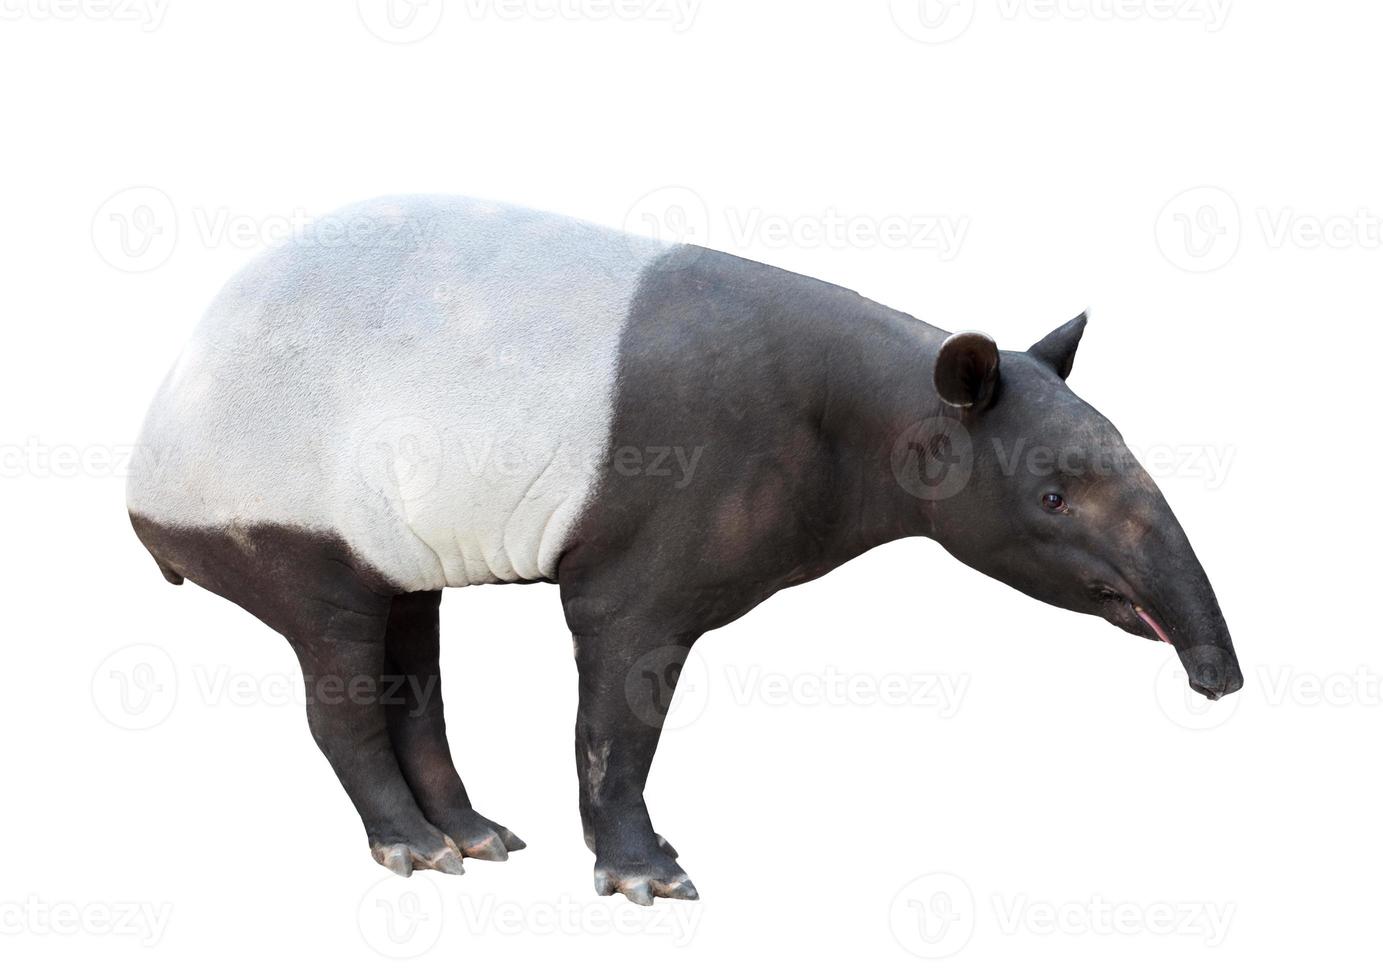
<point>420,393</point>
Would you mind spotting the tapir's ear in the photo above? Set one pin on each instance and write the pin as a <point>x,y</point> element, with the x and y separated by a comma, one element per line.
<point>1058,348</point>
<point>967,370</point>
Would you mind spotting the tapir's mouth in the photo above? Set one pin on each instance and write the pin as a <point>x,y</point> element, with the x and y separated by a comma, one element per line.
<point>1130,614</point>
<point>1204,649</point>
<point>1153,624</point>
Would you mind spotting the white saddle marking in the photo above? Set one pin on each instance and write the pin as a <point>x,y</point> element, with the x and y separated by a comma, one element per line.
<point>431,379</point>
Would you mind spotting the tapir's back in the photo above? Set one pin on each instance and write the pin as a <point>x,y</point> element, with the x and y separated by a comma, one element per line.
<point>429,379</point>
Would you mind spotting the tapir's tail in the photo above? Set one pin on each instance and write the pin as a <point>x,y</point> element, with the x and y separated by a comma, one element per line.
<point>169,572</point>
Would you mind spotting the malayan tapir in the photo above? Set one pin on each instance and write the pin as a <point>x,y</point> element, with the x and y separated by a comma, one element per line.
<point>419,393</point>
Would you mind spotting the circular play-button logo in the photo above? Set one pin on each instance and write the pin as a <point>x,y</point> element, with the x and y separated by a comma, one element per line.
<point>933,459</point>
<point>932,21</point>
<point>1199,229</point>
<point>400,21</point>
<point>1184,706</point>
<point>933,916</point>
<point>136,229</point>
<point>135,687</point>
<point>401,457</point>
<point>667,690</point>
<point>401,917</point>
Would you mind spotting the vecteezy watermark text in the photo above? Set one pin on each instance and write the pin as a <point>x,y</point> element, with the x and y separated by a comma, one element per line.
<point>36,916</point>
<point>410,21</point>
<point>1202,228</point>
<point>935,916</point>
<point>677,215</point>
<point>833,687</point>
<point>147,14</point>
<point>939,21</point>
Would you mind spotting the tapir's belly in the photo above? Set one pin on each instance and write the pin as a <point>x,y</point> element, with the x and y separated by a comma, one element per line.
<point>431,380</point>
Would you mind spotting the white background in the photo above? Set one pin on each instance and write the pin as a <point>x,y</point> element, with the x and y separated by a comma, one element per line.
<point>1203,176</point>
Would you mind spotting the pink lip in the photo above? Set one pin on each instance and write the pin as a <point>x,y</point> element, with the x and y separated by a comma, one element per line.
<point>1153,624</point>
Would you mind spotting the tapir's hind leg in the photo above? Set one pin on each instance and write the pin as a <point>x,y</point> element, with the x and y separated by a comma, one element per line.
<point>419,732</point>
<point>335,612</point>
<point>347,688</point>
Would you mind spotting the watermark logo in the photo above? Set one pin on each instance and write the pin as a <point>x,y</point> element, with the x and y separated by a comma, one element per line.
<point>401,918</point>
<point>664,688</point>
<point>1199,230</point>
<point>135,230</point>
<point>933,916</point>
<point>1286,227</point>
<point>401,458</point>
<point>138,687</point>
<point>677,215</point>
<point>139,228</point>
<point>1209,14</point>
<point>400,21</point>
<point>1183,706</point>
<point>1362,687</point>
<point>36,916</point>
<point>665,684</point>
<point>1280,686</point>
<point>940,233</point>
<point>674,921</point>
<point>148,14</point>
<point>41,460</point>
<point>932,21</point>
<point>932,459</point>
<point>680,14</point>
<point>676,464</point>
<point>835,688</point>
<point>1208,464</point>
<point>135,687</point>
<point>1097,916</point>
<point>939,21</point>
<point>672,216</point>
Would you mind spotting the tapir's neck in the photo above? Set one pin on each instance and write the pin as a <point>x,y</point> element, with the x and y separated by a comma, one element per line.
<point>879,406</point>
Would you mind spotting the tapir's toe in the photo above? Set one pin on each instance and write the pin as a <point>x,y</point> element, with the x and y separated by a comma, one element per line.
<point>480,838</point>
<point>404,858</point>
<point>643,882</point>
<point>491,847</point>
<point>680,888</point>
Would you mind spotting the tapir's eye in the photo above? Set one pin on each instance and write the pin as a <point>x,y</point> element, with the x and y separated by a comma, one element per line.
<point>1054,502</point>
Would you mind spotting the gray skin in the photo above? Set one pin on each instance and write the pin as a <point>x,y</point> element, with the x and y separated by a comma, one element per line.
<point>823,425</point>
<point>828,425</point>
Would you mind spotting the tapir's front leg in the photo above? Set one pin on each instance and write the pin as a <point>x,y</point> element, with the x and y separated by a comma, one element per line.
<point>627,676</point>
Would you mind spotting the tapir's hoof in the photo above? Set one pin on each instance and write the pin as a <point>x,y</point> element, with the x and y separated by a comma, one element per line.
<point>479,838</point>
<point>642,883</point>
<point>403,858</point>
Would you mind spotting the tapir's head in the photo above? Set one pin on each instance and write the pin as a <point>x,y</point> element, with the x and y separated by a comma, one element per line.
<point>1055,505</point>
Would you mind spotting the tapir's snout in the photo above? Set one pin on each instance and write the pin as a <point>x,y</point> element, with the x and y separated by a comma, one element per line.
<point>1169,598</point>
<point>1213,670</point>
<point>1202,643</point>
<point>1183,610</point>
<point>1188,618</point>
